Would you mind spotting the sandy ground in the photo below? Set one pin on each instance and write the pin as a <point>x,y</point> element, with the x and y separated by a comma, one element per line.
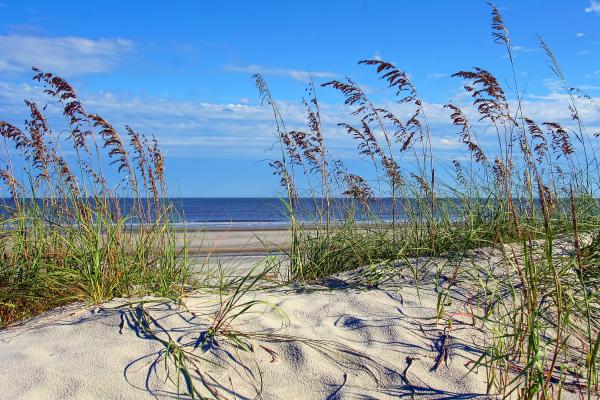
<point>329,344</point>
<point>337,339</point>
<point>94,354</point>
<point>234,240</point>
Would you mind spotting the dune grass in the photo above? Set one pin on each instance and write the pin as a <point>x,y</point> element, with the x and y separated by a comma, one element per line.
<point>67,235</point>
<point>534,189</point>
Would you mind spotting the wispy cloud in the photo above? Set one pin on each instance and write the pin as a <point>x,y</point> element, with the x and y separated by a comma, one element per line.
<point>518,50</point>
<point>579,34</point>
<point>184,128</point>
<point>436,75</point>
<point>63,55</point>
<point>202,129</point>
<point>588,87</point>
<point>594,7</point>
<point>299,75</point>
<point>523,49</point>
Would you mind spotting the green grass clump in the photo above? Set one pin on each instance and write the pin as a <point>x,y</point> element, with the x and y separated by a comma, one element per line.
<point>530,193</point>
<point>67,235</point>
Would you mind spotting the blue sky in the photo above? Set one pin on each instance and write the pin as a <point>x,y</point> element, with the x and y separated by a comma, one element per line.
<point>182,70</point>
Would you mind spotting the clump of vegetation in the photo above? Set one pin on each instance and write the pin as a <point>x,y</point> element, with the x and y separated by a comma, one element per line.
<point>531,190</point>
<point>87,219</point>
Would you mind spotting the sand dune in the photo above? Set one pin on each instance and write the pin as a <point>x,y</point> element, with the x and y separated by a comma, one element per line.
<point>87,355</point>
<point>316,352</point>
<point>341,343</point>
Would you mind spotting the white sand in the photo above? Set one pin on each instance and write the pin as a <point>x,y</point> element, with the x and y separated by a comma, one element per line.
<point>85,353</point>
<point>234,241</point>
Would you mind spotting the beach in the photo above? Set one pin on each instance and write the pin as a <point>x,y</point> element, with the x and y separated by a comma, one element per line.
<point>343,344</point>
<point>338,338</point>
<point>234,240</point>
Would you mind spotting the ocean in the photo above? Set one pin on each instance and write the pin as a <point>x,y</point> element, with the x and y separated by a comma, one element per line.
<point>268,212</point>
<point>272,212</point>
<point>265,212</point>
<point>251,212</point>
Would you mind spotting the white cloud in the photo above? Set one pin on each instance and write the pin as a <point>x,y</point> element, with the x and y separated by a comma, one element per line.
<point>184,128</point>
<point>594,7</point>
<point>299,75</point>
<point>523,49</point>
<point>436,75</point>
<point>62,55</point>
<point>200,129</point>
<point>588,87</point>
<point>579,34</point>
<point>518,50</point>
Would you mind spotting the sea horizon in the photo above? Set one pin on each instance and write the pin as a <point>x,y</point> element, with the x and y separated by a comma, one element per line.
<point>272,212</point>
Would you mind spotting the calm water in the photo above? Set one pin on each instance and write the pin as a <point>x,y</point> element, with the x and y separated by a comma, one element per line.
<point>257,212</point>
<point>271,212</point>
<point>249,212</point>
<point>215,212</point>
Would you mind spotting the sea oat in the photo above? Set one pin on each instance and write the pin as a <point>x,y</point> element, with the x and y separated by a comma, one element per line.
<point>489,96</point>
<point>72,107</point>
<point>13,133</point>
<point>499,30</point>
<point>358,189</point>
<point>13,184</point>
<point>538,137</point>
<point>38,128</point>
<point>560,139</point>
<point>158,163</point>
<point>112,142</point>
<point>66,173</point>
<point>396,78</point>
<point>466,134</point>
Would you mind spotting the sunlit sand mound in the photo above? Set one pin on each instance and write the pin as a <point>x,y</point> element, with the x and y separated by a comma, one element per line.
<point>342,339</point>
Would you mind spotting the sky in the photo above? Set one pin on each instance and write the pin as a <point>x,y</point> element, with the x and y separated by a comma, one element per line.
<point>182,70</point>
